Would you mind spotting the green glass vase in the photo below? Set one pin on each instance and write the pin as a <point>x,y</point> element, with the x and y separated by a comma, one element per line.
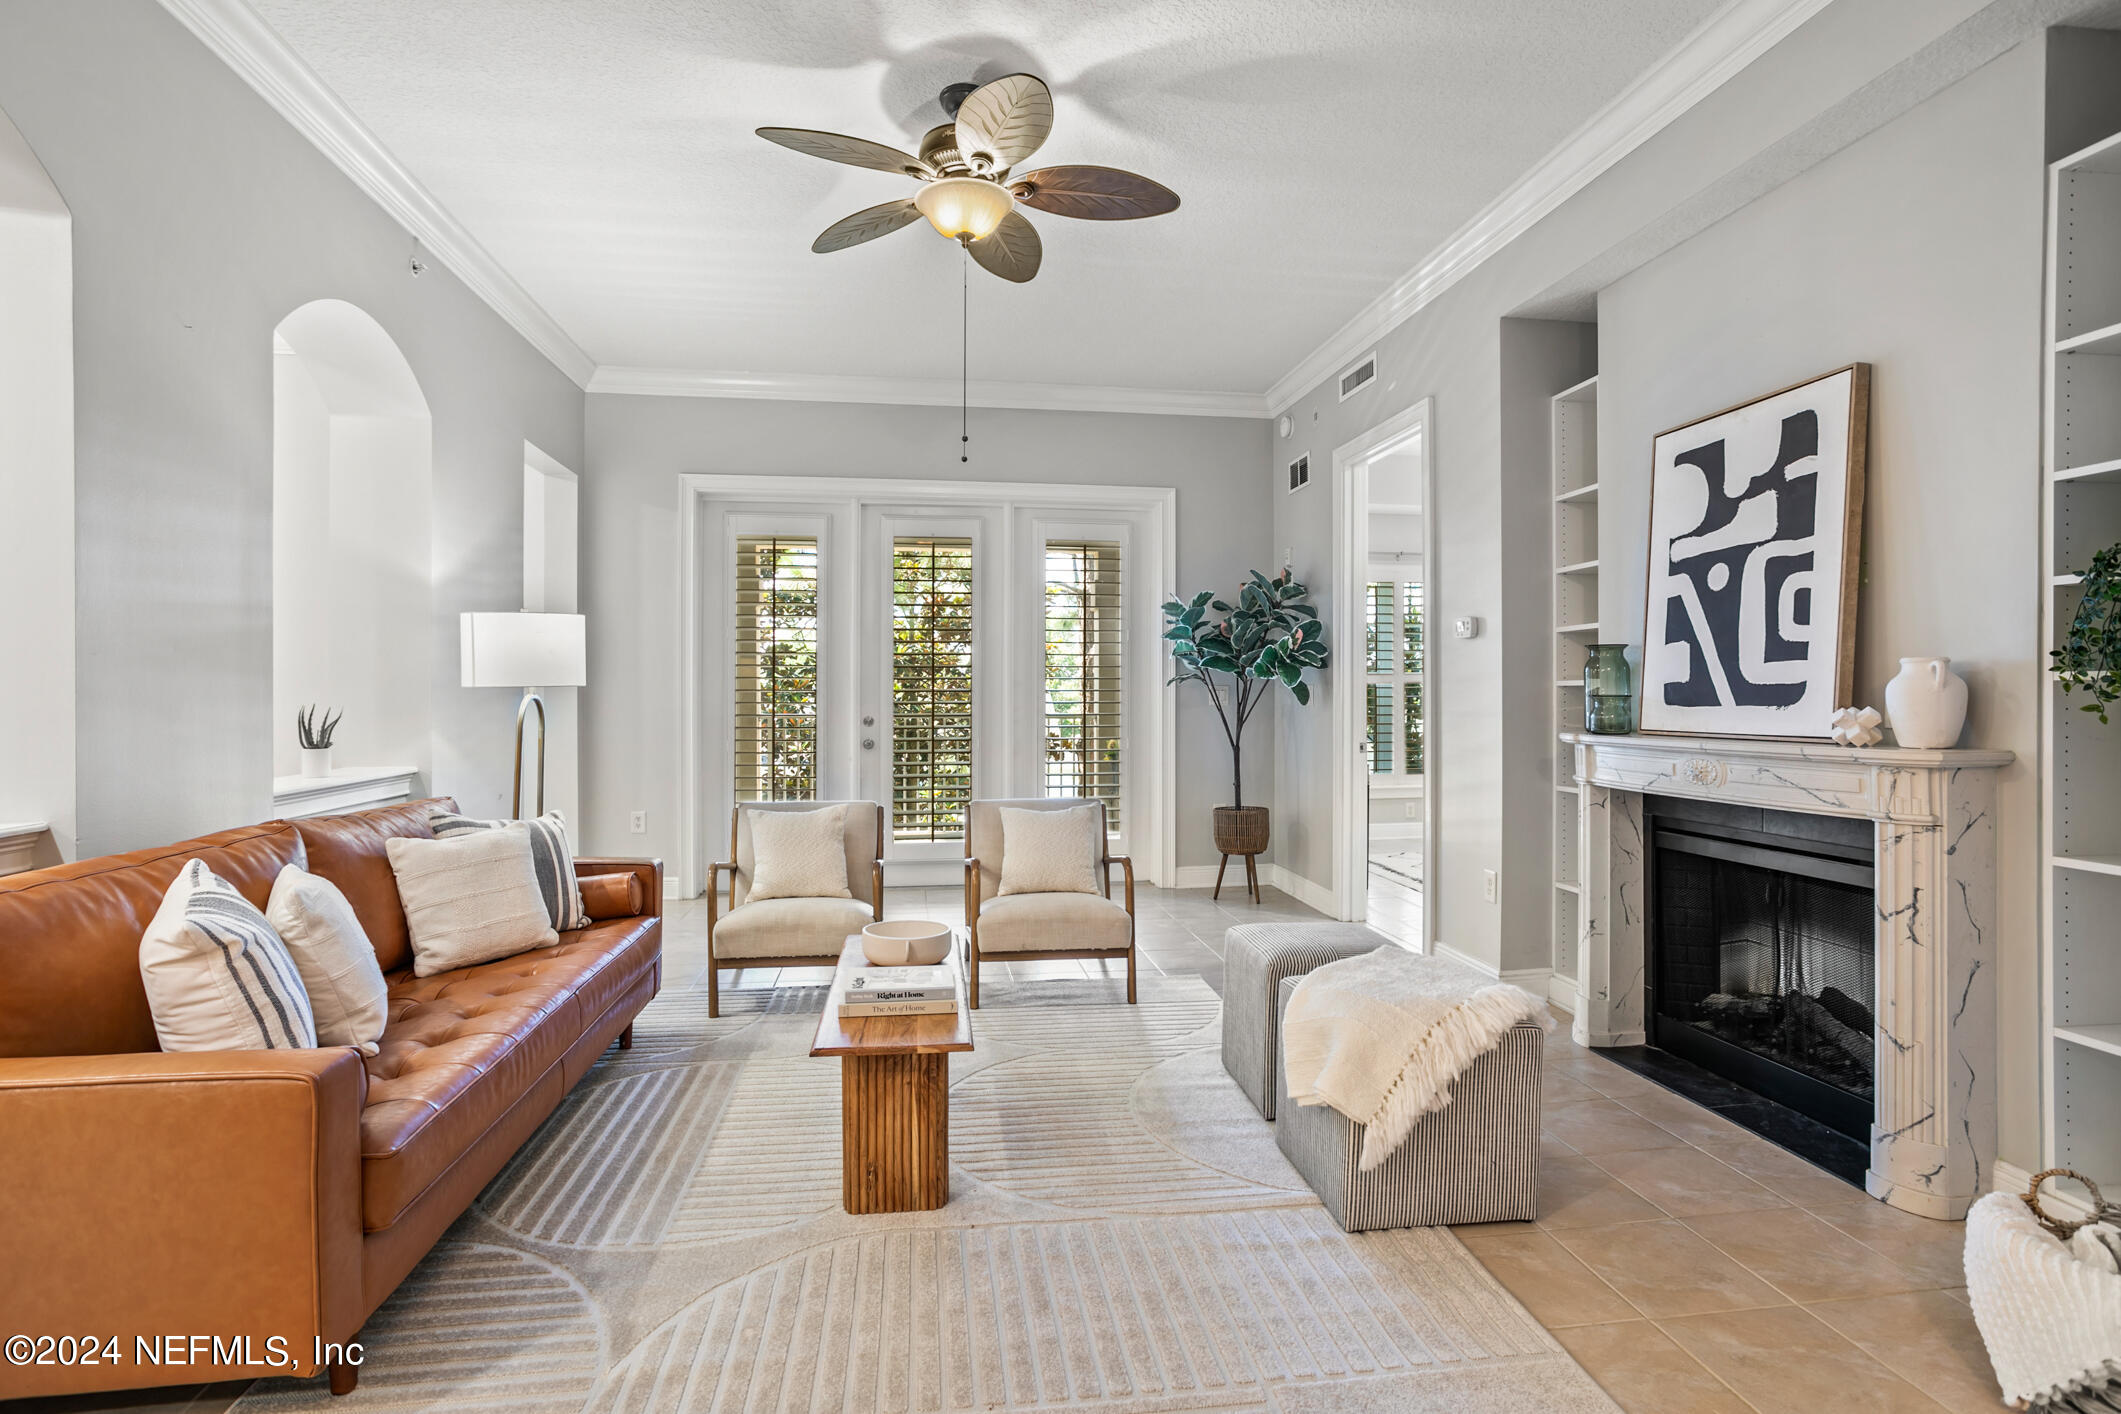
<point>1608,691</point>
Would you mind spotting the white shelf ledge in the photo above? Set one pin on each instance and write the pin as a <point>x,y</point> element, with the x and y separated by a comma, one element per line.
<point>1577,628</point>
<point>2096,471</point>
<point>2090,863</point>
<point>2105,1038</point>
<point>1568,682</point>
<point>1581,493</point>
<point>349,788</point>
<point>18,845</point>
<point>1580,567</point>
<point>1568,888</point>
<point>2092,341</point>
<point>2065,581</point>
<point>1567,790</point>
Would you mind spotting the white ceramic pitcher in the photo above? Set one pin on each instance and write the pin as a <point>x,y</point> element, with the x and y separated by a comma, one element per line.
<point>1927,703</point>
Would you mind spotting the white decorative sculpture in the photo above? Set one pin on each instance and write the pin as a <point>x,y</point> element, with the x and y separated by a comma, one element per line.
<point>1857,726</point>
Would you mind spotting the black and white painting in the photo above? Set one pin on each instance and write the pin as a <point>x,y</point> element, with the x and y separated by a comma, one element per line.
<point>1755,523</point>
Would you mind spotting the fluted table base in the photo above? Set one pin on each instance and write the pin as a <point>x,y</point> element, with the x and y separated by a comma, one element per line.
<point>894,1133</point>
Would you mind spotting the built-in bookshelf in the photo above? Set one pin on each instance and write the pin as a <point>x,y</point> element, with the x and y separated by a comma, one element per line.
<point>2080,759</point>
<point>1574,559</point>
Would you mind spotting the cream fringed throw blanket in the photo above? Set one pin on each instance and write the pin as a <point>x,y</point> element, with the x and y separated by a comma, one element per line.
<point>1381,1037</point>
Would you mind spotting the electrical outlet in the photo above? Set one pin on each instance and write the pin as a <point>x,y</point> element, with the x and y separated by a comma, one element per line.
<point>1413,810</point>
<point>640,822</point>
<point>1490,884</point>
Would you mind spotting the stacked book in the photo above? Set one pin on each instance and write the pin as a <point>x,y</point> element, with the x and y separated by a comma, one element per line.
<point>899,991</point>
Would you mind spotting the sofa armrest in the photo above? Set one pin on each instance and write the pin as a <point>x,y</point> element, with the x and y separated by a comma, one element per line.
<point>648,871</point>
<point>198,1193</point>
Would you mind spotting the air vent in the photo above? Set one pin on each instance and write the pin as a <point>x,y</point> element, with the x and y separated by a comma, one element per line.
<point>1361,376</point>
<point>1300,472</point>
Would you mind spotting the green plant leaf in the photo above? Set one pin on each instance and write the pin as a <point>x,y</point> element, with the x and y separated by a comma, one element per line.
<point>1301,691</point>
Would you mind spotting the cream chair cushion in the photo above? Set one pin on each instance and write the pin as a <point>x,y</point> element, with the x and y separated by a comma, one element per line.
<point>1052,923</point>
<point>983,831</point>
<point>799,854</point>
<point>1051,851</point>
<point>788,927</point>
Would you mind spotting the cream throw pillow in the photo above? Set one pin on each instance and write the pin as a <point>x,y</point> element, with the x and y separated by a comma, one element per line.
<point>798,854</point>
<point>347,995</point>
<point>1050,851</point>
<point>218,978</point>
<point>470,899</point>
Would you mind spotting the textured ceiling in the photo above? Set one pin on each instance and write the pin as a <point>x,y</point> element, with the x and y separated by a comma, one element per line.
<point>604,154</point>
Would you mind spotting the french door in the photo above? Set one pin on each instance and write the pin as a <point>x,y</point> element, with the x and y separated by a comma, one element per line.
<point>923,654</point>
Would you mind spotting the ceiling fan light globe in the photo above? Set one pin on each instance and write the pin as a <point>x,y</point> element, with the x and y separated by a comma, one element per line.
<point>964,207</point>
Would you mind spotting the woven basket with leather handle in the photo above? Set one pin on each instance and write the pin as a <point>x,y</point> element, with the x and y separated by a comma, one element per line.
<point>2102,1211</point>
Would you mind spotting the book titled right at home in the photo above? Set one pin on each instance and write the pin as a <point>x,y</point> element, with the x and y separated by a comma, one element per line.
<point>873,1006</point>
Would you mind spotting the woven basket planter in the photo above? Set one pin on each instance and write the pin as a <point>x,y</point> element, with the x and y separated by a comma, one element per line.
<point>1241,829</point>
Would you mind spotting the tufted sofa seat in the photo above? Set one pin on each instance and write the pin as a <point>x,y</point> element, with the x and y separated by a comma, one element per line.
<point>274,1194</point>
<point>464,1047</point>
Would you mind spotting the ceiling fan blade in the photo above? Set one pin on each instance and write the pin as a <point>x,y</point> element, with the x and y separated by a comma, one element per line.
<point>1005,121</point>
<point>866,226</point>
<point>1012,252</point>
<point>1093,193</point>
<point>854,151</point>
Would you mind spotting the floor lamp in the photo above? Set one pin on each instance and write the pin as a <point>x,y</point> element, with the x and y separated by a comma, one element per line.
<point>529,651</point>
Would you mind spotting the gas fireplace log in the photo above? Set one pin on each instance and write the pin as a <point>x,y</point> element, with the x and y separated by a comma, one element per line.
<point>1825,1026</point>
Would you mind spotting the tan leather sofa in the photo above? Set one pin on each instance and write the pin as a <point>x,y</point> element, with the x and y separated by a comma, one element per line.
<point>268,1194</point>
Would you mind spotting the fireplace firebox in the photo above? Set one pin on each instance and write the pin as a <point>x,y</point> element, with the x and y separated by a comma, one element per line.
<point>1762,952</point>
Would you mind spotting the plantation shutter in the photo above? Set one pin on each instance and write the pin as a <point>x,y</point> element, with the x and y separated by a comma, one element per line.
<point>776,667</point>
<point>931,686</point>
<point>1084,716</point>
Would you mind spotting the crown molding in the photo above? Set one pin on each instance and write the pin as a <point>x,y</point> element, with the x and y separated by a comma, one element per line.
<point>246,43</point>
<point>923,392</point>
<point>1708,58</point>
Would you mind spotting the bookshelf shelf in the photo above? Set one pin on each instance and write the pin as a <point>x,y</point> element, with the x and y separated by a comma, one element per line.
<point>1575,608</point>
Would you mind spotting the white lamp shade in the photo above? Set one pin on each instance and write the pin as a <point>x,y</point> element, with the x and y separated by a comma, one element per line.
<point>525,650</point>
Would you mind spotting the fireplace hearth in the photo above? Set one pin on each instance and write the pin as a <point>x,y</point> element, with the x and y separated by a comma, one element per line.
<point>1762,957</point>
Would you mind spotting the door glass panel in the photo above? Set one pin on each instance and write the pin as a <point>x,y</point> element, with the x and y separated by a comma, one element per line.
<point>1378,728</point>
<point>1083,677</point>
<point>931,686</point>
<point>1379,627</point>
<point>1415,658</point>
<point>776,667</point>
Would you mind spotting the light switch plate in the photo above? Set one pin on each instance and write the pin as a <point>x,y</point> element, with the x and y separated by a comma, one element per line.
<point>1490,884</point>
<point>1468,627</point>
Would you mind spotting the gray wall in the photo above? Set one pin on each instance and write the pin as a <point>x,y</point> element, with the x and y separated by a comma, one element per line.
<point>200,219</point>
<point>1871,189</point>
<point>639,446</point>
<point>1918,251</point>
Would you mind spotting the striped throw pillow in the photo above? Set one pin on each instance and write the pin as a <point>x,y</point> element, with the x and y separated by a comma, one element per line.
<point>218,977</point>
<point>549,854</point>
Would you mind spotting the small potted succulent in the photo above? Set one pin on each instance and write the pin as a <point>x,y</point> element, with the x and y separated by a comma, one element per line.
<point>315,735</point>
<point>1270,635</point>
<point>2090,655</point>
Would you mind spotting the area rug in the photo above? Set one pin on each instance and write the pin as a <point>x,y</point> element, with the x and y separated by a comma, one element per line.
<point>1122,1235</point>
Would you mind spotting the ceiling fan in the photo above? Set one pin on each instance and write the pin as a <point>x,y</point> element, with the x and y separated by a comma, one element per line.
<point>967,191</point>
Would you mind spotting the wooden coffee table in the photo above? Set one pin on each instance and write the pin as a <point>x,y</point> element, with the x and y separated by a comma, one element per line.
<point>894,1096</point>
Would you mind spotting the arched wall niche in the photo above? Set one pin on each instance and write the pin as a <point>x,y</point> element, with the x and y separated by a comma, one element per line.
<point>353,474</point>
<point>37,721</point>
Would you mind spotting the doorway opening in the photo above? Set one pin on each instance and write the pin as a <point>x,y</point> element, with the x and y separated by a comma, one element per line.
<point>1384,731</point>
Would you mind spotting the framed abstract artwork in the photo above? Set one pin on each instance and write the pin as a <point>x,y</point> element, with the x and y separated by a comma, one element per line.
<point>1756,528</point>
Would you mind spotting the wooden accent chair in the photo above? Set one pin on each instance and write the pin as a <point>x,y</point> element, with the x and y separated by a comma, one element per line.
<point>791,932</point>
<point>1035,927</point>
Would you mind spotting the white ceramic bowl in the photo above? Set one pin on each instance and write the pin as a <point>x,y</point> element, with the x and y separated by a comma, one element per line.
<point>905,942</point>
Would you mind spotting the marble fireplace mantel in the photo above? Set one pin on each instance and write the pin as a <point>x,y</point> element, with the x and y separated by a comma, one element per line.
<point>1933,1136</point>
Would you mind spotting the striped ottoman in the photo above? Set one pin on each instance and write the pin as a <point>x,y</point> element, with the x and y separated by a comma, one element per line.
<point>1256,956</point>
<point>1476,1160</point>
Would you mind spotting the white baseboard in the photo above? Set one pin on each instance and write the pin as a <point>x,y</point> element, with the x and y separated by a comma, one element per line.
<point>2062,1202</point>
<point>1562,993</point>
<point>1271,876</point>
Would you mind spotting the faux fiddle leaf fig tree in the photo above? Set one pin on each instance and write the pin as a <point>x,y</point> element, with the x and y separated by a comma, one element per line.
<point>1270,635</point>
<point>2090,656</point>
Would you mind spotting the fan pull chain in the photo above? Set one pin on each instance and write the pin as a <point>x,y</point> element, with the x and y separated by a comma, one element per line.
<point>964,403</point>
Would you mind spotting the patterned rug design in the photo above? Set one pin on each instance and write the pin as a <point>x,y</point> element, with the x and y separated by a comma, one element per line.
<point>1123,1235</point>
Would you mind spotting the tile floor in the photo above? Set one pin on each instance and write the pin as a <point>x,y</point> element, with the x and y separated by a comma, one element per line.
<point>1691,1267</point>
